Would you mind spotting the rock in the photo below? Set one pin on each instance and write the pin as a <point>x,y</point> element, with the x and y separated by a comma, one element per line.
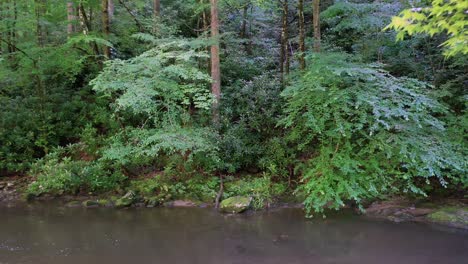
<point>152,202</point>
<point>397,210</point>
<point>73,204</point>
<point>90,204</point>
<point>126,200</point>
<point>450,216</point>
<point>2,185</point>
<point>235,205</point>
<point>180,203</point>
<point>104,202</point>
<point>28,197</point>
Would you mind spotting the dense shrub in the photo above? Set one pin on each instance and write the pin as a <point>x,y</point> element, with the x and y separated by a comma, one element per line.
<point>366,133</point>
<point>59,172</point>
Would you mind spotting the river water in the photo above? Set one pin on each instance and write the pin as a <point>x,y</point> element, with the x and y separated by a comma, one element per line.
<point>50,234</point>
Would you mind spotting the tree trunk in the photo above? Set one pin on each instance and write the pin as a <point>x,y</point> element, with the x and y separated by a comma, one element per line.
<point>13,27</point>
<point>40,8</point>
<point>156,8</point>
<point>243,33</point>
<point>86,26</point>
<point>316,22</point>
<point>70,18</point>
<point>111,10</point>
<point>105,25</point>
<point>1,33</point>
<point>215,62</point>
<point>284,55</point>
<point>301,35</point>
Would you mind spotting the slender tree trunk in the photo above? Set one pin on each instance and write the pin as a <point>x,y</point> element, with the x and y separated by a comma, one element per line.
<point>70,18</point>
<point>9,35</point>
<point>215,61</point>
<point>284,55</point>
<point>302,49</point>
<point>156,8</point>
<point>105,25</point>
<point>40,29</point>
<point>111,10</point>
<point>316,22</point>
<point>86,26</point>
<point>1,32</point>
<point>243,33</point>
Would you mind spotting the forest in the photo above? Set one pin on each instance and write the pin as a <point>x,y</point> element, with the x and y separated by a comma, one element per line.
<point>329,103</point>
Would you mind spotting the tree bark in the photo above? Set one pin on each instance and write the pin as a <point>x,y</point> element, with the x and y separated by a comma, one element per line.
<point>243,33</point>
<point>105,25</point>
<point>284,55</point>
<point>1,33</point>
<point>40,8</point>
<point>70,18</point>
<point>215,61</point>
<point>302,49</point>
<point>111,10</point>
<point>156,8</point>
<point>316,23</point>
<point>86,26</point>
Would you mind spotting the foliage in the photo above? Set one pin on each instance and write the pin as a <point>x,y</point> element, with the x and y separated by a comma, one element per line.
<point>59,172</point>
<point>441,17</point>
<point>365,133</point>
<point>261,189</point>
<point>139,147</point>
<point>348,25</point>
<point>160,86</point>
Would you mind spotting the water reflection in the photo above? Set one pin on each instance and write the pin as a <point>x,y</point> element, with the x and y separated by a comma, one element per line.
<point>51,234</point>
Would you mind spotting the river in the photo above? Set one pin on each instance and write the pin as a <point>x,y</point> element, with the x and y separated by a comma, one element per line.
<point>50,234</point>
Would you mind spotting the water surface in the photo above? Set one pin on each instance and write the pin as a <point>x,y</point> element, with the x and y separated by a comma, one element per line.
<point>51,234</point>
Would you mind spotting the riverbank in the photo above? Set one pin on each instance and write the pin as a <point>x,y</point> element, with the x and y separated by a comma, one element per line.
<point>445,212</point>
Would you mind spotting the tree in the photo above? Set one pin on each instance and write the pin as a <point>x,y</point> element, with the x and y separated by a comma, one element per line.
<point>111,10</point>
<point>70,18</point>
<point>106,25</point>
<point>284,54</point>
<point>302,49</point>
<point>156,8</point>
<point>40,7</point>
<point>215,61</point>
<point>316,22</point>
<point>447,17</point>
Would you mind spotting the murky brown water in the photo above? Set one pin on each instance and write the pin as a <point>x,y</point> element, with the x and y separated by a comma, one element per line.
<point>49,235</point>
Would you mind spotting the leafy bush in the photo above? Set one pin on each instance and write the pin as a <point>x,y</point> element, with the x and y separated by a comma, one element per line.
<point>364,133</point>
<point>59,173</point>
<point>197,188</point>
<point>250,111</point>
<point>158,95</point>
<point>180,149</point>
<point>261,189</point>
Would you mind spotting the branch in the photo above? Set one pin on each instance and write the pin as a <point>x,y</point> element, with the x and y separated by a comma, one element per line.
<point>137,22</point>
<point>18,49</point>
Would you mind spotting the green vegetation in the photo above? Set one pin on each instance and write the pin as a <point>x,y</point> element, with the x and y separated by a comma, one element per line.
<point>133,102</point>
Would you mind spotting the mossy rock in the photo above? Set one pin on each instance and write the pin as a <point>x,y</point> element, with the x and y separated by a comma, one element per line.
<point>90,204</point>
<point>451,216</point>
<point>127,200</point>
<point>104,202</point>
<point>152,202</point>
<point>73,204</point>
<point>235,205</point>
